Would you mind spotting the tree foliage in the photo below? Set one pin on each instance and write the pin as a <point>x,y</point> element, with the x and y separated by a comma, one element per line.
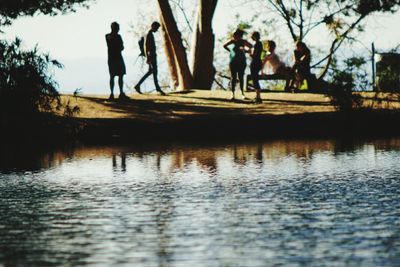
<point>343,19</point>
<point>12,9</point>
<point>25,84</point>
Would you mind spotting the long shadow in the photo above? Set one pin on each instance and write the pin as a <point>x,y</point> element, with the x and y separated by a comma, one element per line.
<point>249,101</point>
<point>150,108</point>
<point>225,100</point>
<point>303,103</point>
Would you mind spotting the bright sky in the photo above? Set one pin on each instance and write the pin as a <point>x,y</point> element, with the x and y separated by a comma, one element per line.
<point>77,39</point>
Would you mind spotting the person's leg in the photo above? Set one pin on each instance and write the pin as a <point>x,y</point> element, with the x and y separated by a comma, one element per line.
<point>299,81</point>
<point>241,81</point>
<point>155,77</point>
<point>254,70</point>
<point>233,79</point>
<point>287,73</point>
<point>121,84</point>
<point>147,74</point>
<point>112,86</point>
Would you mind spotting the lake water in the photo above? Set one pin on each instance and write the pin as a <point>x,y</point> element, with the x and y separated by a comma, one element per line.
<point>289,203</point>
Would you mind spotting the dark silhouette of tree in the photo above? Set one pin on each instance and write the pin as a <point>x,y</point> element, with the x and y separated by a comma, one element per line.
<point>12,9</point>
<point>202,58</point>
<point>26,83</point>
<point>177,52</point>
<point>202,73</point>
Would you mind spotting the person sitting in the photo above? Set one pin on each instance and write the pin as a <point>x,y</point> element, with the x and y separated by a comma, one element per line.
<point>301,67</point>
<point>273,62</point>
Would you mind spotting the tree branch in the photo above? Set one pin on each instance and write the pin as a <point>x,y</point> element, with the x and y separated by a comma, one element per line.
<point>336,44</point>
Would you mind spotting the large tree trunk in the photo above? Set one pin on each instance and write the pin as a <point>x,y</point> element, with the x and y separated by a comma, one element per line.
<point>170,58</point>
<point>202,57</point>
<point>182,66</point>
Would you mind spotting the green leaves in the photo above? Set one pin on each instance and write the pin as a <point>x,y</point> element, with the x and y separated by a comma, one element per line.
<point>26,86</point>
<point>11,9</point>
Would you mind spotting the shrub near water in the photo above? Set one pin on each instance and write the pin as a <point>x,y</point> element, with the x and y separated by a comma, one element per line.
<point>26,86</point>
<point>344,80</point>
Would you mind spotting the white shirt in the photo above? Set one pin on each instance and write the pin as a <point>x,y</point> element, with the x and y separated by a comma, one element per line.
<point>273,62</point>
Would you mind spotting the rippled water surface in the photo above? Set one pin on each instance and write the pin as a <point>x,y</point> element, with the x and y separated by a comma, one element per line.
<point>308,203</point>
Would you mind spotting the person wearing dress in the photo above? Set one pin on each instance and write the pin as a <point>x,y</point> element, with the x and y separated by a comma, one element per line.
<point>273,62</point>
<point>116,64</point>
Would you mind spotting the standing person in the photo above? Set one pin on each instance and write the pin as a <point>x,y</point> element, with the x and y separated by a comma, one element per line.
<point>237,63</point>
<point>151,56</point>
<point>278,67</point>
<point>116,64</point>
<point>301,67</point>
<point>256,64</point>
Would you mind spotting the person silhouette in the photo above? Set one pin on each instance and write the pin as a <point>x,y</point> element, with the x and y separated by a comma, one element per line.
<point>237,63</point>
<point>278,67</point>
<point>301,67</point>
<point>151,56</point>
<point>116,64</point>
<point>256,64</point>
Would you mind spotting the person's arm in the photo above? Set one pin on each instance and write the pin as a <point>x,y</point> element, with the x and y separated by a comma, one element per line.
<point>295,58</point>
<point>248,45</point>
<point>253,51</point>
<point>305,57</point>
<point>228,44</point>
<point>147,47</point>
<point>108,43</point>
<point>121,43</point>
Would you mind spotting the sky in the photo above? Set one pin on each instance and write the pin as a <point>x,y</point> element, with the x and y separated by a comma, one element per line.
<point>77,39</point>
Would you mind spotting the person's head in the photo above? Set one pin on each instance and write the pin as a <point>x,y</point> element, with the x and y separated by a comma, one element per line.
<point>300,46</point>
<point>155,26</point>
<point>255,36</point>
<point>238,34</point>
<point>271,45</point>
<point>115,27</point>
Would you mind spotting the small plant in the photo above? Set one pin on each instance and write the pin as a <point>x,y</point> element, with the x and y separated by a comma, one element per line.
<point>344,82</point>
<point>77,92</point>
<point>70,110</point>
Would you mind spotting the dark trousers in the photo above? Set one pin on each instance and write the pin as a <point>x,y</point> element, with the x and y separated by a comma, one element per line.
<point>255,68</point>
<point>237,72</point>
<point>153,69</point>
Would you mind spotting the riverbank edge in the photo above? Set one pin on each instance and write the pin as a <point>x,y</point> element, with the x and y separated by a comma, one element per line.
<point>308,125</point>
<point>207,128</point>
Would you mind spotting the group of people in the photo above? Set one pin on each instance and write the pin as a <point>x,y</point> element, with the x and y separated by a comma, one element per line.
<point>116,64</point>
<point>237,46</point>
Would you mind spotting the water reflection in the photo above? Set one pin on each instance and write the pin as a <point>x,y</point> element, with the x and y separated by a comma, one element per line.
<point>20,159</point>
<point>288,203</point>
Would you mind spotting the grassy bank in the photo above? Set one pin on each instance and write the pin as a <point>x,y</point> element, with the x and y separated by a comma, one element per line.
<point>205,115</point>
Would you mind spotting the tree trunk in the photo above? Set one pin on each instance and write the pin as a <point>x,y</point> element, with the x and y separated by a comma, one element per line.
<point>202,57</point>
<point>175,39</point>
<point>169,52</point>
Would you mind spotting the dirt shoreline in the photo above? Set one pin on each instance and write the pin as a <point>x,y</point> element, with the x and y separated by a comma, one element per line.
<point>209,115</point>
<point>204,116</point>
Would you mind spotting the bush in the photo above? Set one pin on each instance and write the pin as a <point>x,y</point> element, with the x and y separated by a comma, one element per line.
<point>26,85</point>
<point>344,82</point>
